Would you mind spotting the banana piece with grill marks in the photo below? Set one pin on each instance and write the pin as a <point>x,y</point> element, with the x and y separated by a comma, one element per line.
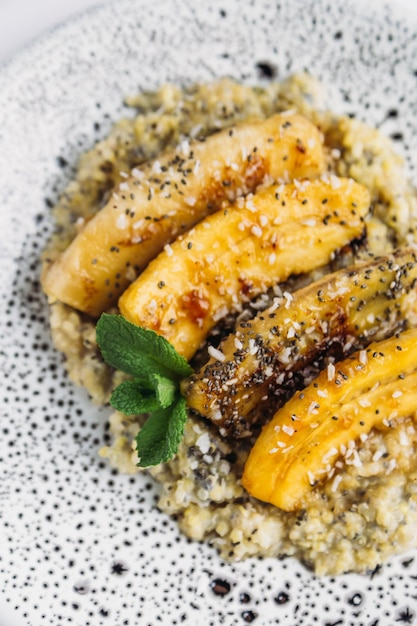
<point>261,364</point>
<point>298,449</point>
<point>233,256</point>
<point>167,196</point>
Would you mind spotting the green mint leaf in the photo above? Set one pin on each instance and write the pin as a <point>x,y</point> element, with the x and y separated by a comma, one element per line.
<point>156,369</point>
<point>158,439</point>
<point>129,398</point>
<point>137,351</point>
<point>165,389</point>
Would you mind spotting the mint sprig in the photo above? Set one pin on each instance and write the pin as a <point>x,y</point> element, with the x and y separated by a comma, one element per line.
<point>159,437</point>
<point>156,369</point>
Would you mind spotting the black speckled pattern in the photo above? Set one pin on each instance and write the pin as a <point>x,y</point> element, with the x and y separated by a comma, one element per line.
<point>80,544</point>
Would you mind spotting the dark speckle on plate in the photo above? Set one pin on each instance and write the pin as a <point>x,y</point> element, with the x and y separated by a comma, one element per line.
<point>79,545</point>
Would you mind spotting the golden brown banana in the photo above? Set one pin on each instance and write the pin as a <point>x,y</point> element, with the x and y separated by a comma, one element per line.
<point>232,256</point>
<point>299,447</point>
<point>164,198</point>
<point>266,359</point>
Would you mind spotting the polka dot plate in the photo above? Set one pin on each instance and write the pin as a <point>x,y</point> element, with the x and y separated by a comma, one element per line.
<point>80,544</point>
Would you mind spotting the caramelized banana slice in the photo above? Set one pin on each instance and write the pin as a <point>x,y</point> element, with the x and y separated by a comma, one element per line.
<point>269,357</point>
<point>236,254</point>
<point>166,197</point>
<point>299,447</point>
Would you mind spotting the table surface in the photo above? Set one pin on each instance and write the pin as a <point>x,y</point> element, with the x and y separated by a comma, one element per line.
<point>23,21</point>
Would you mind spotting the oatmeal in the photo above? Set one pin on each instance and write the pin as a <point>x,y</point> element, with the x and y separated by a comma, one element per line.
<point>367,509</point>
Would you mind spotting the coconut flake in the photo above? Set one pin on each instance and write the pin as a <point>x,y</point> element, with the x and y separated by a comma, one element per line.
<point>311,478</point>
<point>203,443</point>
<point>256,230</point>
<point>168,249</point>
<point>137,173</point>
<point>121,221</point>
<point>289,298</point>
<point>404,441</point>
<point>216,354</point>
<point>336,482</point>
<point>377,455</point>
<point>363,357</point>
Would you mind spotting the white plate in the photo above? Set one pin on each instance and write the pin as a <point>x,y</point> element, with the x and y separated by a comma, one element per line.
<point>79,544</point>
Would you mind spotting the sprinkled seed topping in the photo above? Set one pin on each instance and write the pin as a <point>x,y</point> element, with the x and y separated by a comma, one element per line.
<point>280,362</point>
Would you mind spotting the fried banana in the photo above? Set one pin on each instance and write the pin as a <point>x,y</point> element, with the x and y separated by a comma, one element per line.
<point>232,256</point>
<point>298,449</point>
<point>259,366</point>
<point>164,198</point>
